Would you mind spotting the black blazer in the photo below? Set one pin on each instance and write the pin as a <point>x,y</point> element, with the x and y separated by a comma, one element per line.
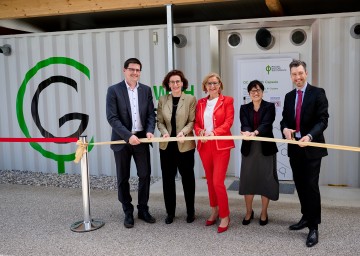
<point>118,112</point>
<point>313,119</point>
<point>265,129</point>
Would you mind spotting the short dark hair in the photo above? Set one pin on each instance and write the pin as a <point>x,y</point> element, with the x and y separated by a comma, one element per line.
<point>175,72</point>
<point>132,60</point>
<point>254,83</point>
<point>297,63</point>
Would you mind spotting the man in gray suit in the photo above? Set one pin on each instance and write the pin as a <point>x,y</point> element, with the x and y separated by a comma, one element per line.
<point>130,112</point>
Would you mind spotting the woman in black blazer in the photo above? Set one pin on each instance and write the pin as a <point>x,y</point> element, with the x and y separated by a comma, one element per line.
<point>258,163</point>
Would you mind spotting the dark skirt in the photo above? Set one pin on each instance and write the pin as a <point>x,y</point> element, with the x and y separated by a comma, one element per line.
<point>258,174</point>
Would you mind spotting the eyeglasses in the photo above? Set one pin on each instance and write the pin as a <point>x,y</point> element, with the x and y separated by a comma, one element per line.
<point>175,82</point>
<point>134,70</point>
<point>212,83</point>
<point>255,91</point>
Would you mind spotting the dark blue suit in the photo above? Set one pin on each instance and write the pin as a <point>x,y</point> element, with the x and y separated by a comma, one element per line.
<point>306,161</point>
<point>118,113</point>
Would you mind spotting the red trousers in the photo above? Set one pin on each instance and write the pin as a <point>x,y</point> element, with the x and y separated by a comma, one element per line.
<point>215,164</point>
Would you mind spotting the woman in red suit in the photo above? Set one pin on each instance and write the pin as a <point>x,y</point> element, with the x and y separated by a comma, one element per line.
<point>214,117</point>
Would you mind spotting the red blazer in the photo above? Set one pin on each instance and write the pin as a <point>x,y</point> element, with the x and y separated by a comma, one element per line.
<point>223,119</point>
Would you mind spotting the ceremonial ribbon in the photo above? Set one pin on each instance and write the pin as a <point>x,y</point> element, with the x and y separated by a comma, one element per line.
<point>82,146</point>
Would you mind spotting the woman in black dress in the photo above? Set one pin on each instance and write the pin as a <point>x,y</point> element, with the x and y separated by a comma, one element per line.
<point>258,163</point>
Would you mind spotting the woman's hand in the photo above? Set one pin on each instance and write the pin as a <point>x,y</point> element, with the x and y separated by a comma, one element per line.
<point>180,134</point>
<point>201,134</point>
<point>210,134</point>
<point>248,134</point>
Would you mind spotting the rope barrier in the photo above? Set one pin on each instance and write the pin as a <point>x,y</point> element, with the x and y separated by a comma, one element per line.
<point>82,147</point>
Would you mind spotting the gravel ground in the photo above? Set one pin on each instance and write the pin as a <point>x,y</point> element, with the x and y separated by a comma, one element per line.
<point>63,180</point>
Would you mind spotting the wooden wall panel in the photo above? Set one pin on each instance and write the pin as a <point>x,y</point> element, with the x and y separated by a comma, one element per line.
<point>11,9</point>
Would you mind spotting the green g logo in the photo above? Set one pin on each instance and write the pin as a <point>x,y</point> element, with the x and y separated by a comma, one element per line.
<point>46,83</point>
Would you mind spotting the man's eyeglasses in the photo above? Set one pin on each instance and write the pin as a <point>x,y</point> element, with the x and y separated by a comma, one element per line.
<point>212,83</point>
<point>255,91</point>
<point>134,70</point>
<point>175,82</point>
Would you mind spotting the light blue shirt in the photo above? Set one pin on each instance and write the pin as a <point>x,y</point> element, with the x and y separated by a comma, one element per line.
<point>134,104</point>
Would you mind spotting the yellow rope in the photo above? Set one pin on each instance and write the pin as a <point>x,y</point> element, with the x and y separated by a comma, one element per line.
<point>82,147</point>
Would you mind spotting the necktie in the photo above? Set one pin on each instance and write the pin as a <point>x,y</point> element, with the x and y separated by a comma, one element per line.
<point>298,110</point>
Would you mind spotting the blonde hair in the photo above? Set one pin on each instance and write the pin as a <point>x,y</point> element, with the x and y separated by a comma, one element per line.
<point>207,77</point>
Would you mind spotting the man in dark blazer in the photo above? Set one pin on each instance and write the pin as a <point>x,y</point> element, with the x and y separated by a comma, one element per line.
<point>130,112</point>
<point>306,161</point>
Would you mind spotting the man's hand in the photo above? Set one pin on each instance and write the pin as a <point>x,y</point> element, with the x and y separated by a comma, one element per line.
<point>304,139</point>
<point>134,140</point>
<point>149,135</point>
<point>288,133</point>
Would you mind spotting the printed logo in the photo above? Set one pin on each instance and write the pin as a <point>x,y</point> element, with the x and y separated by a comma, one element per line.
<point>160,91</point>
<point>34,106</point>
<point>269,68</point>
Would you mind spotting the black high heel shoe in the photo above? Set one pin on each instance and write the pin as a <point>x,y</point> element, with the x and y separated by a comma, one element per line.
<point>263,222</point>
<point>247,222</point>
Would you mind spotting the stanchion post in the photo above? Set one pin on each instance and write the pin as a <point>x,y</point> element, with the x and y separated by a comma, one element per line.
<point>87,224</point>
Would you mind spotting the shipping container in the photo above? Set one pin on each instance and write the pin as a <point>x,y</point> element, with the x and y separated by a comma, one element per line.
<point>56,83</point>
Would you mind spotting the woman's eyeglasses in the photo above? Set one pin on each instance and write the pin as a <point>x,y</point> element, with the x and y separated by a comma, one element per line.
<point>175,82</point>
<point>212,83</point>
<point>255,91</point>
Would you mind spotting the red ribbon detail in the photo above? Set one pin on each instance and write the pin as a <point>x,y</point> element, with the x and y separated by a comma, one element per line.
<point>39,140</point>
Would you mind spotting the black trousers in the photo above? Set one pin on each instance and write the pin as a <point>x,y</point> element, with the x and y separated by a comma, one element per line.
<point>172,160</point>
<point>306,177</point>
<point>141,156</point>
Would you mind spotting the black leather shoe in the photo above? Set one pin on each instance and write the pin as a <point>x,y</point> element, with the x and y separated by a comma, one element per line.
<point>190,218</point>
<point>312,238</point>
<point>169,219</point>
<point>129,220</point>
<point>145,216</point>
<point>247,222</point>
<point>300,225</point>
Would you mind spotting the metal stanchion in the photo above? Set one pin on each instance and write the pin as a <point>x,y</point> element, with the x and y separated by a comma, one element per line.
<point>87,224</point>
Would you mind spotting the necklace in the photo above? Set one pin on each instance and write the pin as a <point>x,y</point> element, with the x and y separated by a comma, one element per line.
<point>175,100</point>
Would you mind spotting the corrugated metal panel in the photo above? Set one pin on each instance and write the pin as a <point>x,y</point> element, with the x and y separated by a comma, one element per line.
<point>195,61</point>
<point>103,52</point>
<point>339,74</point>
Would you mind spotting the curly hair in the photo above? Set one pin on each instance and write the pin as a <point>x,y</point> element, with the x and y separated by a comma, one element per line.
<point>175,72</point>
